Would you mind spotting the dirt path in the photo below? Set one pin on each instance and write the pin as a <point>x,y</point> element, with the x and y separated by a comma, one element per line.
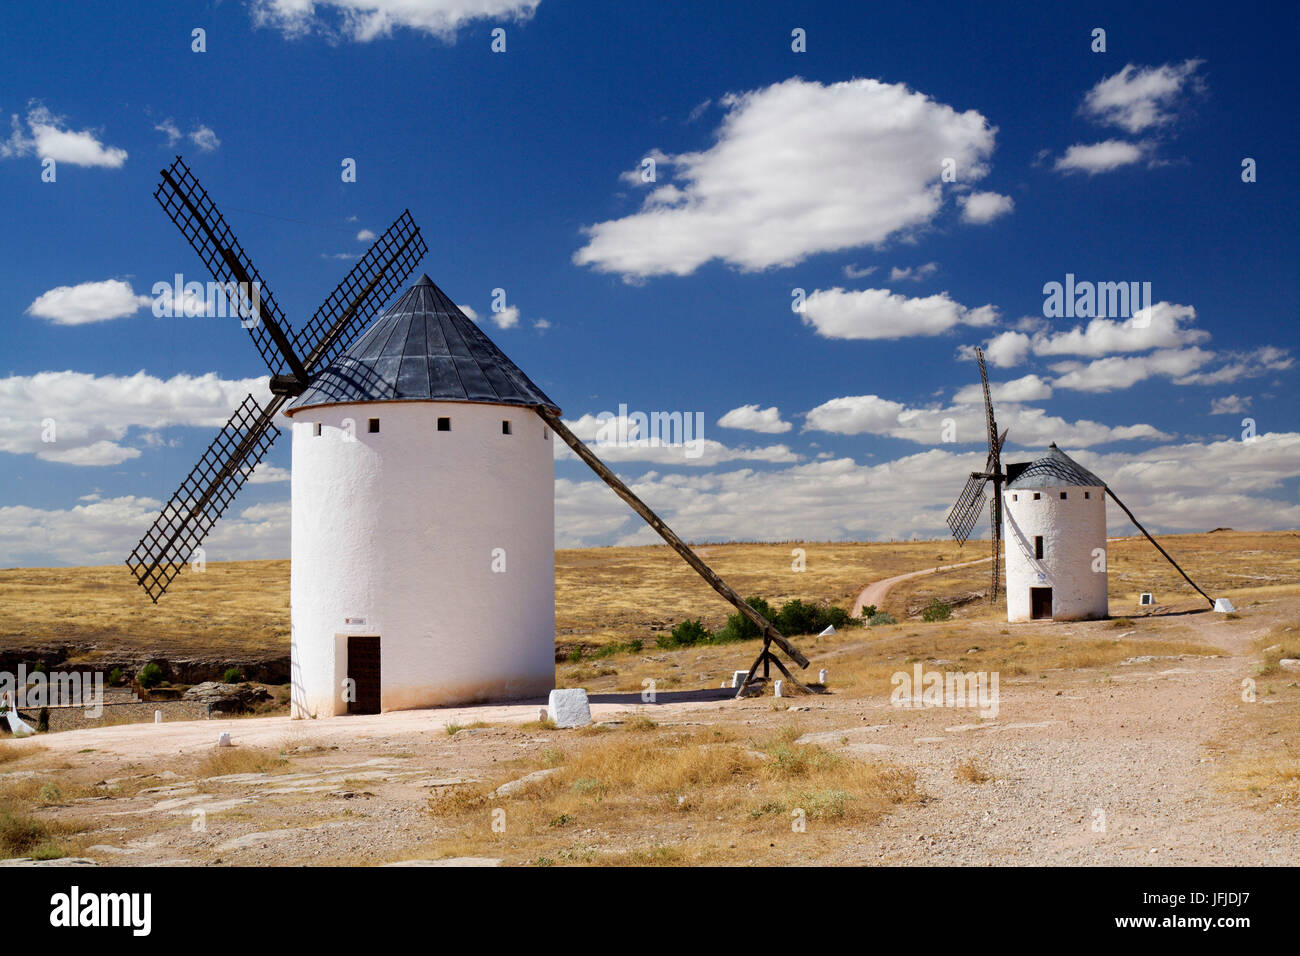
<point>875,592</point>
<point>1090,767</point>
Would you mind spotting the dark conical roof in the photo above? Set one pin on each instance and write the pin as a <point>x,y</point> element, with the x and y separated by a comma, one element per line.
<point>1054,469</point>
<point>423,348</point>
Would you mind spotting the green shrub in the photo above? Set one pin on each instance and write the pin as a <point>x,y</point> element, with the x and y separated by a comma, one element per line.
<point>233,675</point>
<point>741,628</point>
<point>880,618</point>
<point>150,676</point>
<point>633,646</point>
<point>116,677</point>
<point>936,611</point>
<point>800,617</point>
<point>686,634</point>
<point>796,617</point>
<point>868,612</point>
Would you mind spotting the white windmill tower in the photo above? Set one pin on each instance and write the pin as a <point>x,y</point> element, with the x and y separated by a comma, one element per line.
<point>423,520</point>
<point>422,486</point>
<point>1055,529</point>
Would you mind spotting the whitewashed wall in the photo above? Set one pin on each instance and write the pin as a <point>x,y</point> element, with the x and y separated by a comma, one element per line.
<point>1071,530</point>
<point>399,529</point>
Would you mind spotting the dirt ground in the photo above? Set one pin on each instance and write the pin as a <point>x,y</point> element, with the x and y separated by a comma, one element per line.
<point>1101,754</point>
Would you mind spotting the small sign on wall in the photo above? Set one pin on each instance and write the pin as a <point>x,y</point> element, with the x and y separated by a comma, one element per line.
<point>354,620</point>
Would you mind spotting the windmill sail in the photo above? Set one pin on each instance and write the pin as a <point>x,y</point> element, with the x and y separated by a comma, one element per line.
<point>246,438</point>
<point>203,496</point>
<point>188,205</point>
<point>371,283</point>
<point>966,511</point>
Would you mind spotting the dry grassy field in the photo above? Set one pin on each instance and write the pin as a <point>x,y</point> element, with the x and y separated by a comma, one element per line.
<point>240,610</point>
<point>1176,728</point>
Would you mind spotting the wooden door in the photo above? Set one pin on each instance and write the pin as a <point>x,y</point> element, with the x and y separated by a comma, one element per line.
<point>1040,604</point>
<point>363,669</point>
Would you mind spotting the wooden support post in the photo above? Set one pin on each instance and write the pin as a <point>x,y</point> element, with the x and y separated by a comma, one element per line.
<point>1137,524</point>
<point>770,634</point>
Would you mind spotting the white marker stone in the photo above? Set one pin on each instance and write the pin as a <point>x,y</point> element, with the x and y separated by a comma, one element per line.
<point>778,687</point>
<point>224,739</point>
<point>1146,598</point>
<point>157,716</point>
<point>569,707</point>
<point>738,678</point>
<point>821,677</point>
<point>1223,605</point>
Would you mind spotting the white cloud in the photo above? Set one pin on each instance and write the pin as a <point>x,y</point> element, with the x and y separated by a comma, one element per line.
<point>542,324</point>
<point>755,419</point>
<point>1137,99</point>
<point>1027,388</point>
<point>1241,365</point>
<point>1230,405</point>
<point>1115,372</point>
<point>365,235</point>
<point>1188,487</point>
<point>88,302</point>
<point>979,208</point>
<point>203,137</point>
<point>914,273</point>
<point>881,314</point>
<point>88,417</point>
<point>622,439</point>
<point>1005,350</point>
<point>851,271</point>
<point>265,473</point>
<point>469,311</point>
<point>1160,326</point>
<point>169,129</point>
<point>1098,157</point>
<point>506,317</point>
<point>103,531</point>
<point>797,168</point>
<point>366,20</point>
<point>48,139</point>
<point>873,415</point>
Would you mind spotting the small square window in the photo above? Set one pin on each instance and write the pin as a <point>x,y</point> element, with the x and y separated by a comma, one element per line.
<point>505,427</point>
<point>1087,494</point>
<point>1015,497</point>
<point>1037,496</point>
<point>1062,495</point>
<point>374,426</point>
<point>444,424</point>
<point>315,429</point>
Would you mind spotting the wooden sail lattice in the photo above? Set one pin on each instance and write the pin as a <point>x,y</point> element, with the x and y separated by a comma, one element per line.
<point>225,466</point>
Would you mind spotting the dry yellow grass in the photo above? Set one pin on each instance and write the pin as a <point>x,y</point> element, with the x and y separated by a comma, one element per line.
<point>743,792</point>
<point>227,760</point>
<point>240,610</point>
<point>1259,747</point>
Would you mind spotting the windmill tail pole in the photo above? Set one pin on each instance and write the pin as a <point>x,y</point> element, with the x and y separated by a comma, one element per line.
<point>1137,524</point>
<point>580,448</point>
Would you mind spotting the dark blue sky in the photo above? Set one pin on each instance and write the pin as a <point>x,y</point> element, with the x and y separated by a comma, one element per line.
<point>507,159</point>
